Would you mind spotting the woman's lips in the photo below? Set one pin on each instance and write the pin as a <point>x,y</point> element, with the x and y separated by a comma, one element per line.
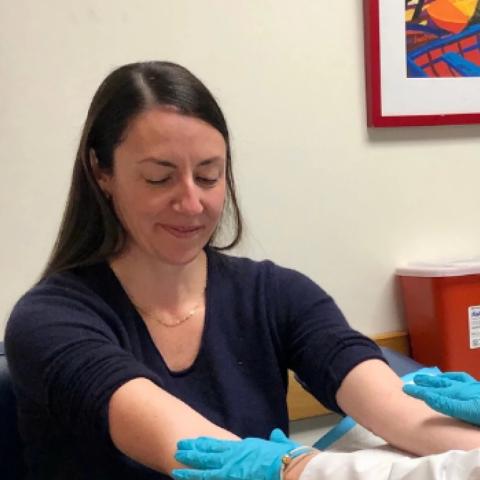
<point>182,231</point>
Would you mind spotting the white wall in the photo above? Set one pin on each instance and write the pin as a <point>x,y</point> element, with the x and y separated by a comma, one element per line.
<point>319,192</point>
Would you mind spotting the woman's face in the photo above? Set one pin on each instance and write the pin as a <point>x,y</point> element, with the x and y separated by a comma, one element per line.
<point>168,184</point>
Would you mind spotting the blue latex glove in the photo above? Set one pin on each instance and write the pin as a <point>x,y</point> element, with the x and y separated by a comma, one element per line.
<point>248,459</point>
<point>456,394</point>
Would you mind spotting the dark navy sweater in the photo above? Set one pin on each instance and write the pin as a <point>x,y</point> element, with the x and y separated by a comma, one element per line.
<point>75,338</point>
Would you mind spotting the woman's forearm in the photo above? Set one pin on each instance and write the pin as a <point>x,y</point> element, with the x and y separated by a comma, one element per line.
<point>146,422</point>
<point>372,394</point>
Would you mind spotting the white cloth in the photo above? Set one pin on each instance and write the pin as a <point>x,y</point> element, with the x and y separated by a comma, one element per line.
<point>360,455</point>
<point>384,463</point>
<point>351,452</point>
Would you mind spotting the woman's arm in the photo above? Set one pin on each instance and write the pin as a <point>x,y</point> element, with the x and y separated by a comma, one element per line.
<point>372,394</point>
<point>65,356</point>
<point>146,423</point>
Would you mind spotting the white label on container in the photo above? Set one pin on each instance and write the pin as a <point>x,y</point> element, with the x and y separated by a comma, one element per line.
<point>474,326</point>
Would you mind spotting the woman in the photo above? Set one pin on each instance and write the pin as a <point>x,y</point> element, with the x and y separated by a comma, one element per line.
<point>141,333</point>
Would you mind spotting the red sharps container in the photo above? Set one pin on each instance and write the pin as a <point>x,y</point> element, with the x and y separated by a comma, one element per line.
<point>442,310</point>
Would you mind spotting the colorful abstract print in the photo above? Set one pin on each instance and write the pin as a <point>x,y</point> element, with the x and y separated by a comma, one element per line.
<point>442,38</point>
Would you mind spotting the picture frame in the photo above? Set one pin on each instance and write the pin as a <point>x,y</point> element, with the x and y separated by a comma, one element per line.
<point>396,97</point>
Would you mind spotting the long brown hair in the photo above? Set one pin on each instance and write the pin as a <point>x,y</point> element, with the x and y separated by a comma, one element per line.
<point>90,230</point>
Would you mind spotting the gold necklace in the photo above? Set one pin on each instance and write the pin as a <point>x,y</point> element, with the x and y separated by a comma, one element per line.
<point>177,322</point>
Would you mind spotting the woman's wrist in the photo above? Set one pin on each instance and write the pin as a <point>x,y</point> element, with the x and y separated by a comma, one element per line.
<point>294,469</point>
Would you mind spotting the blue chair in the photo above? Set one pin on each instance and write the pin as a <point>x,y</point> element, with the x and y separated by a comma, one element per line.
<point>11,461</point>
<point>399,363</point>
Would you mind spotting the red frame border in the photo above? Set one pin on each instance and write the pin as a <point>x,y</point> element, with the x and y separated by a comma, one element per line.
<point>374,84</point>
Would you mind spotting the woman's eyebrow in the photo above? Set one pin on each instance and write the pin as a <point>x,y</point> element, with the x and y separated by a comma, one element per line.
<point>158,161</point>
<point>211,160</point>
<point>167,163</point>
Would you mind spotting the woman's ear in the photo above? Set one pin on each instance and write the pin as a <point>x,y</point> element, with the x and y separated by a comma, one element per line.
<point>102,178</point>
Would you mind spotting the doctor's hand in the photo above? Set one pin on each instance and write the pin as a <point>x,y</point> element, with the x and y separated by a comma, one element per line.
<point>251,458</point>
<point>456,394</point>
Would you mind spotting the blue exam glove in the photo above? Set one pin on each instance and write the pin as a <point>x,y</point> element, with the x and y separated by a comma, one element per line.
<point>456,394</point>
<point>248,459</point>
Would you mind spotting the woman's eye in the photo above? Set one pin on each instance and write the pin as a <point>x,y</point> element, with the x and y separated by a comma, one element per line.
<point>209,182</point>
<point>160,181</point>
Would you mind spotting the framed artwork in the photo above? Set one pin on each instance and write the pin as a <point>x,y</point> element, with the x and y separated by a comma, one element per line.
<point>422,62</point>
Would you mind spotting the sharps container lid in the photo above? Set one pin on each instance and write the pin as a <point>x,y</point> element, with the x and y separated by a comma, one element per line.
<point>449,268</point>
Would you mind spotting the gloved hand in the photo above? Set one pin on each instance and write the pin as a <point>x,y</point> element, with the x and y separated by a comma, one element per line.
<point>248,459</point>
<point>456,394</point>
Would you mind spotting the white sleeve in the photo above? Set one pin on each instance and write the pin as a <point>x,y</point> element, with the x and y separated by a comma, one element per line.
<point>378,464</point>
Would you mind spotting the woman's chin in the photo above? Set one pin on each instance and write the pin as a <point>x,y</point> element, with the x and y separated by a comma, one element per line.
<point>179,258</point>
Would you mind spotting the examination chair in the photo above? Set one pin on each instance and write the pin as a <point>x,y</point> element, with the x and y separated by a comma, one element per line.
<point>10,444</point>
<point>399,363</point>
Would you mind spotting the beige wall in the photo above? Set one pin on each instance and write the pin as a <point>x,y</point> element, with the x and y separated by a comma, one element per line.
<point>320,193</point>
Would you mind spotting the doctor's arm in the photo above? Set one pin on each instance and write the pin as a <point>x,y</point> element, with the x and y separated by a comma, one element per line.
<point>369,465</point>
<point>456,394</point>
<point>210,459</point>
<point>372,394</point>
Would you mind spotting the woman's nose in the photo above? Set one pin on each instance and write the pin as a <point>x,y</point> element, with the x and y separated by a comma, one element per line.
<point>187,199</point>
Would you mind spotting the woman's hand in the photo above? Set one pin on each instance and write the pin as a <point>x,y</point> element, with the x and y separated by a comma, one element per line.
<point>251,458</point>
<point>456,394</point>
